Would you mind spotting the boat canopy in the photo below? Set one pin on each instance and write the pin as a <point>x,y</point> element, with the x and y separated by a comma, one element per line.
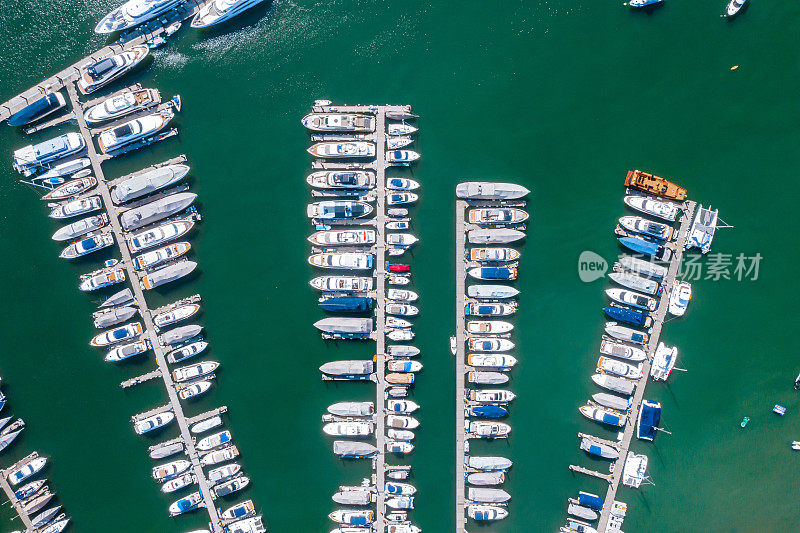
<point>488,495</point>
<point>590,500</point>
<point>649,417</point>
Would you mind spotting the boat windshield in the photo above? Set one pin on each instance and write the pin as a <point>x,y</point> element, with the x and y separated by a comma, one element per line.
<point>123,131</point>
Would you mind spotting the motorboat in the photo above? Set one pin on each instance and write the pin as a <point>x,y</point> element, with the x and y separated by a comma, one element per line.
<point>485,495</point>
<point>180,334</point>
<point>679,297</point>
<point>29,489</point>
<point>401,157</point>
<point>161,255</point>
<point>72,167</point>
<point>342,283</point>
<point>402,351</point>
<point>87,245</point>
<point>216,440</point>
<point>222,473</point>
<point>396,130</point>
<point>149,213</point>
<point>632,299</point>
<point>599,449</point>
<point>348,237</point>
<point>483,190</point>
<point>397,224</point>
<point>618,368</point>
<point>614,383</point>
<point>401,309</point>
<point>218,11</point>
<point>494,273</point>
<point>339,122</point>
<point>81,227</point>
<point>166,449</point>
<point>403,114</point>
<point>29,159</point>
<point>612,401</point>
<point>648,248</point>
<point>491,395</point>
<point>71,188</point>
<point>486,513</point>
<point>207,424</point>
<point>218,456</point>
<point>623,351</point>
<point>188,503</point>
<point>492,216</point>
<point>482,344</point>
<point>132,13</point>
<point>400,365</point>
<point>345,326</point>
<point>642,268</point>
<point>336,209</point>
<point>399,473</point>
<point>197,370</point>
<point>134,130</point>
<point>401,422</point>
<point>488,327</point>
<point>488,463</point>
<point>486,411</point>
<point>395,488</point>
<point>493,255</point>
<point>123,297</point>
<point>649,183</point>
<point>400,502</point>
<point>169,273</point>
<point>398,280</point>
<point>484,429</point>
<point>491,361</point>
<point>169,470</point>
<point>401,198</point>
<point>195,389</point>
<point>401,184</point>
<point>354,450</point>
<point>102,278</point>
<point>175,315</point>
<point>663,362</point>
<point>148,182</point>
<point>110,317</point>
<point>348,409</point>
<point>104,71</point>
<point>343,260</point>
<point>121,104</point>
<point>342,150</point>
<point>733,7</point>
<point>342,179</point>
<point>641,3</point>
<point>77,207</point>
<point>126,351</point>
<point>229,487</point>
<point>178,483</point>
<point>152,423</point>
<point>349,429</point>
<point>646,227</point>
<point>398,268</point>
<point>185,352</point>
<point>664,210</point>
<point>241,510</point>
<point>634,282</point>
<point>403,295</point>
<point>494,236</point>
<point>401,406</point>
<point>117,335</point>
<point>487,309</point>
<point>400,239</point>
<point>627,334</point>
<point>604,415</point>
<point>38,109</point>
<point>15,477</point>
<point>487,378</point>
<point>629,316</point>
<point>352,517</point>
<point>159,235</point>
<point>401,379</point>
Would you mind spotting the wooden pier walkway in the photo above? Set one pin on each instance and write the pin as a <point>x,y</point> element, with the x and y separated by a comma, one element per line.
<point>141,379</point>
<point>208,414</point>
<point>144,311</point>
<point>655,334</point>
<point>461,339</point>
<point>18,506</point>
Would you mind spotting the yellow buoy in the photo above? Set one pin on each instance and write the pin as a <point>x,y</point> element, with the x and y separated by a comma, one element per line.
<point>734,67</point>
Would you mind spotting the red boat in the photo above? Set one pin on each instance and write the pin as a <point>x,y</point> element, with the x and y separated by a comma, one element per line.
<point>399,268</point>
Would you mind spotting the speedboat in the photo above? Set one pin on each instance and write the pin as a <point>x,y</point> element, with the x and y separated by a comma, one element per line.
<point>679,297</point>
<point>134,130</point>
<point>629,316</point>
<point>485,429</point>
<point>488,327</point>
<point>401,406</point>
<point>648,228</point>
<point>197,370</point>
<point>508,273</point>
<point>216,440</point>
<point>493,254</point>
<point>348,237</point>
<point>206,424</point>
<point>103,72</point>
<point>148,182</point>
<point>492,216</point>
<point>486,513</point>
<point>189,503</point>
<point>19,475</point>
<point>125,351</point>
<point>119,105</point>
<point>401,198</point>
<point>218,11</point>
<point>491,395</point>
<point>404,295</point>
<point>343,260</point>
<point>342,179</point>
<point>195,389</point>
<point>132,13</point>
<point>225,454</point>
<point>481,344</point>
<point>401,309</point>
<point>626,334</point>
<point>349,429</point>
<point>623,351</point>
<point>401,184</point>
<point>166,471</point>
<point>618,368</point>
<point>342,283</point>
<point>152,423</point>
<point>29,159</point>
<point>352,517</point>
<point>102,278</point>
<point>71,188</point>
<point>733,7</point>
<point>158,235</point>
<point>221,473</point>
<point>229,487</point>
<point>38,109</point>
<point>632,299</point>
<point>604,415</point>
<point>336,122</point>
<point>77,207</point>
<point>401,157</point>
<point>663,210</point>
<point>175,315</point>
<point>395,143</point>
<point>485,309</point>
<point>87,246</point>
<point>185,352</point>
<point>614,383</point>
<point>632,281</point>
<point>117,335</point>
<point>395,130</point>
<point>643,3</point>
<point>334,209</point>
<point>491,361</point>
<point>650,249</point>
<point>245,509</point>
<point>402,422</point>
<point>347,409</point>
<point>340,150</point>
<point>178,483</point>
<point>599,449</point>
<point>400,365</point>
<point>161,255</point>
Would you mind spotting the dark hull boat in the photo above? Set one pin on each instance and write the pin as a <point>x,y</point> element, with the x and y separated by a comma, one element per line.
<point>644,247</point>
<point>487,411</point>
<point>38,109</point>
<point>649,417</point>
<point>347,304</point>
<point>630,316</point>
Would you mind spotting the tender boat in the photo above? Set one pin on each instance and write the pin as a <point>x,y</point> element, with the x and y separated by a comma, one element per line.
<point>189,503</point>
<point>614,383</point>
<point>169,470</point>
<point>340,150</point>
<point>480,344</point>
<point>486,309</point>
<point>493,273</point>
<point>29,159</point>
<point>487,378</point>
<point>733,7</point>
<point>623,351</point>
<point>214,441</point>
<point>604,415</point>
<point>349,237</point>
<point>81,227</point>
<point>679,297</point>
<point>195,389</point>
<point>342,179</point>
<point>401,184</point>
<point>185,352</point>
<point>148,182</point>
<point>87,246</point>
<point>119,105</point>
<point>229,487</point>
<point>646,227</point>
<point>618,368</point>
<point>71,188</point>
<point>349,429</point>
<point>77,207</point>
<point>642,268</point>
<point>132,13</point>
<point>663,362</point>
<point>632,299</point>
<point>152,423</point>
<point>598,449</point>
<point>403,366</point>
<point>629,316</point>
<point>38,109</point>
<point>117,335</point>
<point>486,513</point>
<point>103,72</point>
<point>336,209</point>
<point>488,430</point>
<point>354,450</point>
<point>125,351</point>
<point>632,281</point>
<point>491,216</point>
<point>225,454</point>
<point>404,295</point>
<point>134,130</point>
<point>336,122</point>
<point>162,276</point>
<point>178,483</point>
<point>343,260</point>
<point>491,361</point>
<point>488,327</point>
<point>647,248</point>
<point>491,395</point>
<point>218,11</point>
<point>494,236</point>
<point>401,198</point>
<point>161,255</point>
<point>113,316</point>
<point>663,210</point>
<point>626,334</point>
<point>207,424</point>
<point>649,183</point>
<point>197,370</point>
<point>489,255</point>
<point>401,157</point>
<point>102,278</point>
<point>175,315</point>
<point>342,283</point>
<point>159,235</point>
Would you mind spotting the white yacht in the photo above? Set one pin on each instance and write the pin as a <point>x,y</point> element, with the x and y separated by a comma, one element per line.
<point>343,260</point>
<point>335,122</point>
<point>134,130</point>
<point>158,235</point>
<point>220,10</point>
<point>107,70</point>
<point>29,159</point>
<point>120,105</point>
<point>133,13</point>
<point>733,8</point>
<point>355,149</point>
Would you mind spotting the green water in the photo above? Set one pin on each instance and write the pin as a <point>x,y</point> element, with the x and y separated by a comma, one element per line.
<point>561,97</point>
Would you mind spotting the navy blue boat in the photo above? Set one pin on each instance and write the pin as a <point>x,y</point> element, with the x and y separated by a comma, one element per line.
<point>649,417</point>
<point>637,318</point>
<point>494,273</point>
<point>589,500</point>
<point>487,411</point>
<point>644,247</point>
<point>347,304</point>
<point>38,109</point>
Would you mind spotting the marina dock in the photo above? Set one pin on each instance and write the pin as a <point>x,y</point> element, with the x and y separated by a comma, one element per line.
<point>461,340</point>
<point>19,508</point>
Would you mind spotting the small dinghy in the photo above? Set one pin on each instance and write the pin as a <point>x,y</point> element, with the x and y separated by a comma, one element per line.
<point>479,344</point>
<point>497,361</point>
<point>71,188</point>
<point>488,327</point>
<point>77,207</point>
<point>81,227</point>
<point>598,449</point>
<point>185,352</point>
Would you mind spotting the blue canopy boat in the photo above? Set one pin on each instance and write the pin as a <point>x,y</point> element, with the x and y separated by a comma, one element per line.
<point>494,273</point>
<point>587,499</point>
<point>347,304</point>
<point>487,411</point>
<point>621,314</point>
<point>644,247</point>
<point>649,417</point>
<point>37,109</point>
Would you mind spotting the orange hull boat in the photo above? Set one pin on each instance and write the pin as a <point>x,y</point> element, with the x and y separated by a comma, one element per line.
<point>654,185</point>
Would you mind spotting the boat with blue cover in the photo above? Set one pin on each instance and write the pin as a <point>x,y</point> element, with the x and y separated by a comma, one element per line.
<point>38,109</point>
<point>494,273</point>
<point>486,411</point>
<point>603,415</point>
<point>598,449</point>
<point>347,304</point>
<point>496,309</point>
<point>626,334</point>
<point>647,248</point>
<point>590,500</point>
<point>649,417</point>
<point>630,316</point>
<point>486,513</point>
<point>189,503</point>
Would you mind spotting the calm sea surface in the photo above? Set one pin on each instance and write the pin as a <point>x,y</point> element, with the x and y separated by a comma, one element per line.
<point>561,97</point>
